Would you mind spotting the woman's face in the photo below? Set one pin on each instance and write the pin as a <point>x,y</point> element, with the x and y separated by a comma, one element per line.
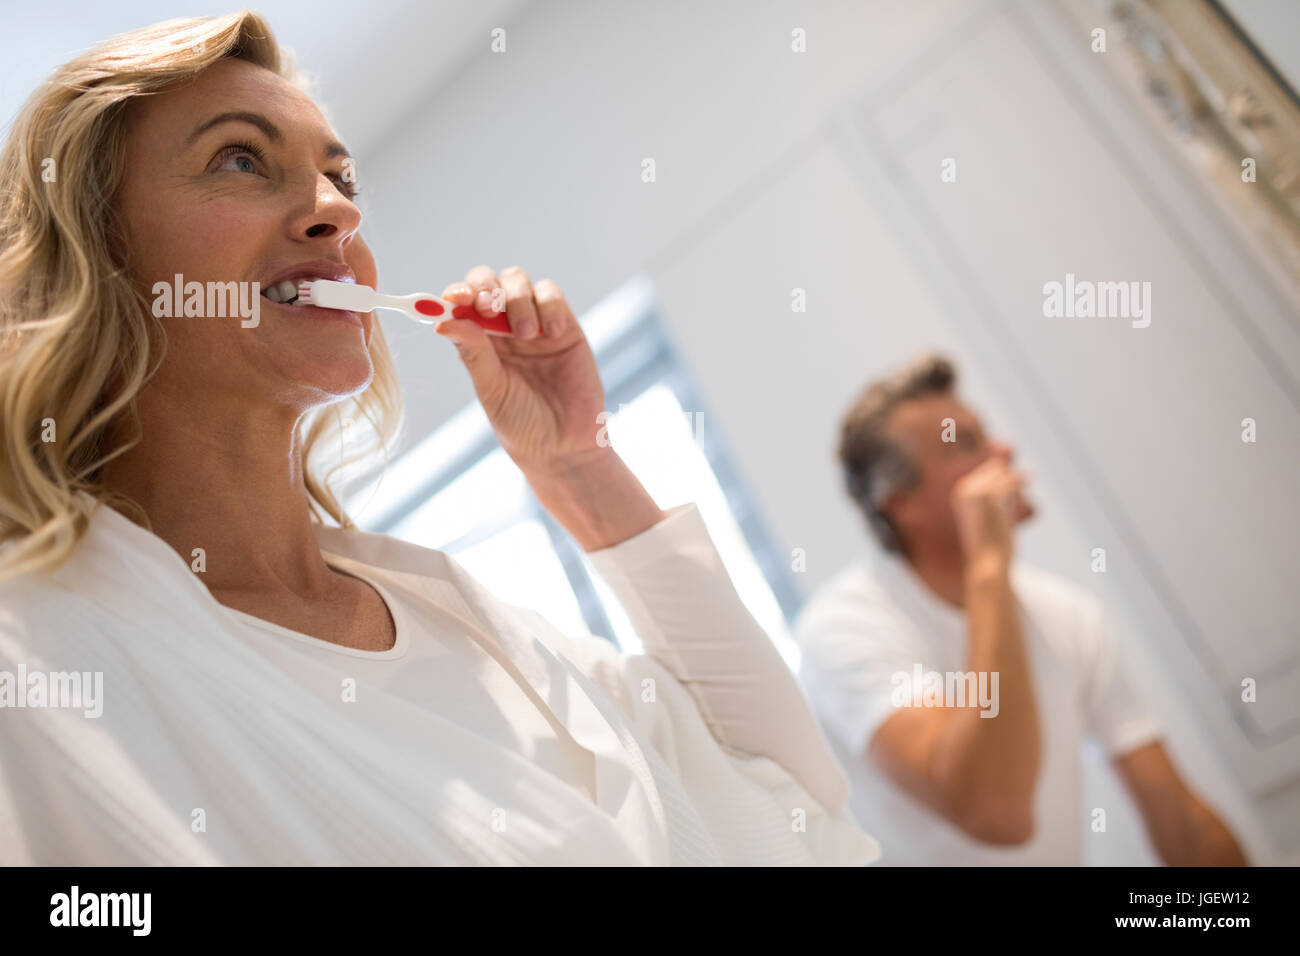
<point>197,202</point>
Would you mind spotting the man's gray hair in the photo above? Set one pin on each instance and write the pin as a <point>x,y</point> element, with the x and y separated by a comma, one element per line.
<point>874,465</point>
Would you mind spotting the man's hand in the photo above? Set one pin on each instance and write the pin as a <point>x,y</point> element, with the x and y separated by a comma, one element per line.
<point>985,503</point>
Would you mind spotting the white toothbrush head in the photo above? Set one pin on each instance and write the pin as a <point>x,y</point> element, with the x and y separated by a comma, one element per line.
<point>328,294</point>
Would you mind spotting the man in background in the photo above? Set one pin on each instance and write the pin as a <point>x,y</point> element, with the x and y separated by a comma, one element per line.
<point>957,686</point>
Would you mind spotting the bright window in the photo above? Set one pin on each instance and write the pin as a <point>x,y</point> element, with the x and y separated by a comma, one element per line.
<point>657,439</point>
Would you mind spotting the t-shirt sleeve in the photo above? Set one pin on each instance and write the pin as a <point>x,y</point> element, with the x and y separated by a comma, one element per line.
<point>1117,715</point>
<point>852,649</point>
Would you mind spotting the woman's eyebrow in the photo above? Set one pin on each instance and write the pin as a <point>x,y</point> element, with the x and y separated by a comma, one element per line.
<point>332,149</point>
<point>257,119</point>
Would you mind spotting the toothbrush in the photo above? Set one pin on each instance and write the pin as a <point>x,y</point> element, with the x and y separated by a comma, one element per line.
<point>421,306</point>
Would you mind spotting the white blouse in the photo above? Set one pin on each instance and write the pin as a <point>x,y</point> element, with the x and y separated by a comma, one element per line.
<point>483,736</point>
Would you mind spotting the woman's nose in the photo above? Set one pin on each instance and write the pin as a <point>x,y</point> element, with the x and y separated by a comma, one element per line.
<point>334,216</point>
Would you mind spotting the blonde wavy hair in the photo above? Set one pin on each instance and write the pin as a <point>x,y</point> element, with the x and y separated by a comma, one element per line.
<point>78,341</point>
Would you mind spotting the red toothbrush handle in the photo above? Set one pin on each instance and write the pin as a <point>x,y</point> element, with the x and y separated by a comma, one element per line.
<point>497,324</point>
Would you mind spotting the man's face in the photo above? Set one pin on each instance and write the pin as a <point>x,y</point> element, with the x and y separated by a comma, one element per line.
<point>924,510</point>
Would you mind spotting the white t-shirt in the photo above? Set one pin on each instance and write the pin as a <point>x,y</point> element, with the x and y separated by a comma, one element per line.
<point>876,619</point>
<point>430,665</point>
<point>483,736</point>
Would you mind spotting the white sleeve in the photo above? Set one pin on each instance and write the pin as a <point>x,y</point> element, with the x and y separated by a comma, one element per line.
<point>1116,714</point>
<point>852,650</point>
<point>684,608</point>
<point>748,803</point>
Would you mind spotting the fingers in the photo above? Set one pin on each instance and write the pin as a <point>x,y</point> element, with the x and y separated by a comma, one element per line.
<point>486,294</point>
<point>521,309</point>
<point>553,309</point>
<point>476,352</point>
<point>481,278</point>
<point>1010,481</point>
<point>998,470</point>
<point>994,479</point>
<point>1005,485</point>
<point>458,293</point>
<point>533,310</point>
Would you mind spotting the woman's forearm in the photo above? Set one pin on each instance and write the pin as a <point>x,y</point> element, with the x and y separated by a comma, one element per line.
<point>597,499</point>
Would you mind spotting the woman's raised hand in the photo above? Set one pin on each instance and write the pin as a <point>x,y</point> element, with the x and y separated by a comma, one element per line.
<point>539,387</point>
<point>542,393</point>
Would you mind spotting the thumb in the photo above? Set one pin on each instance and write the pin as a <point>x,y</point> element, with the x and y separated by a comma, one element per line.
<point>475,349</point>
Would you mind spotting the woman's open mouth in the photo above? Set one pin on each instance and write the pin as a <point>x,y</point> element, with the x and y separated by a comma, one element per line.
<point>284,294</point>
<point>285,291</point>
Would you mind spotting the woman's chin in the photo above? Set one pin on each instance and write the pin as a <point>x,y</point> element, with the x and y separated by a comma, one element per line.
<point>330,354</point>
<point>342,382</point>
<point>337,373</point>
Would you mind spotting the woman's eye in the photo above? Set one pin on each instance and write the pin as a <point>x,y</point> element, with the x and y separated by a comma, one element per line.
<point>348,189</point>
<point>240,159</point>
<point>241,163</point>
<point>243,158</point>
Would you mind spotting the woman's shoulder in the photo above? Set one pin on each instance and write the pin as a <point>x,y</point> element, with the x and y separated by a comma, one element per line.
<point>39,602</point>
<point>109,567</point>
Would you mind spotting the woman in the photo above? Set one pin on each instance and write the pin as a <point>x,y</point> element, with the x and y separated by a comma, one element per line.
<point>273,689</point>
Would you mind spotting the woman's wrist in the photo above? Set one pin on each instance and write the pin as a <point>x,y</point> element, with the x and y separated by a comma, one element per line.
<point>595,497</point>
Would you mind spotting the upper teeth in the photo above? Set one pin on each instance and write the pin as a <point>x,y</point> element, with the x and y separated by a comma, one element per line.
<point>285,289</point>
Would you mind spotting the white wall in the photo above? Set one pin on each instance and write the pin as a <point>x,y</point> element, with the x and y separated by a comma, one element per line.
<point>776,171</point>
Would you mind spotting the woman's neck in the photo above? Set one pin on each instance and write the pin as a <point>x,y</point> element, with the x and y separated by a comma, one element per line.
<point>228,481</point>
